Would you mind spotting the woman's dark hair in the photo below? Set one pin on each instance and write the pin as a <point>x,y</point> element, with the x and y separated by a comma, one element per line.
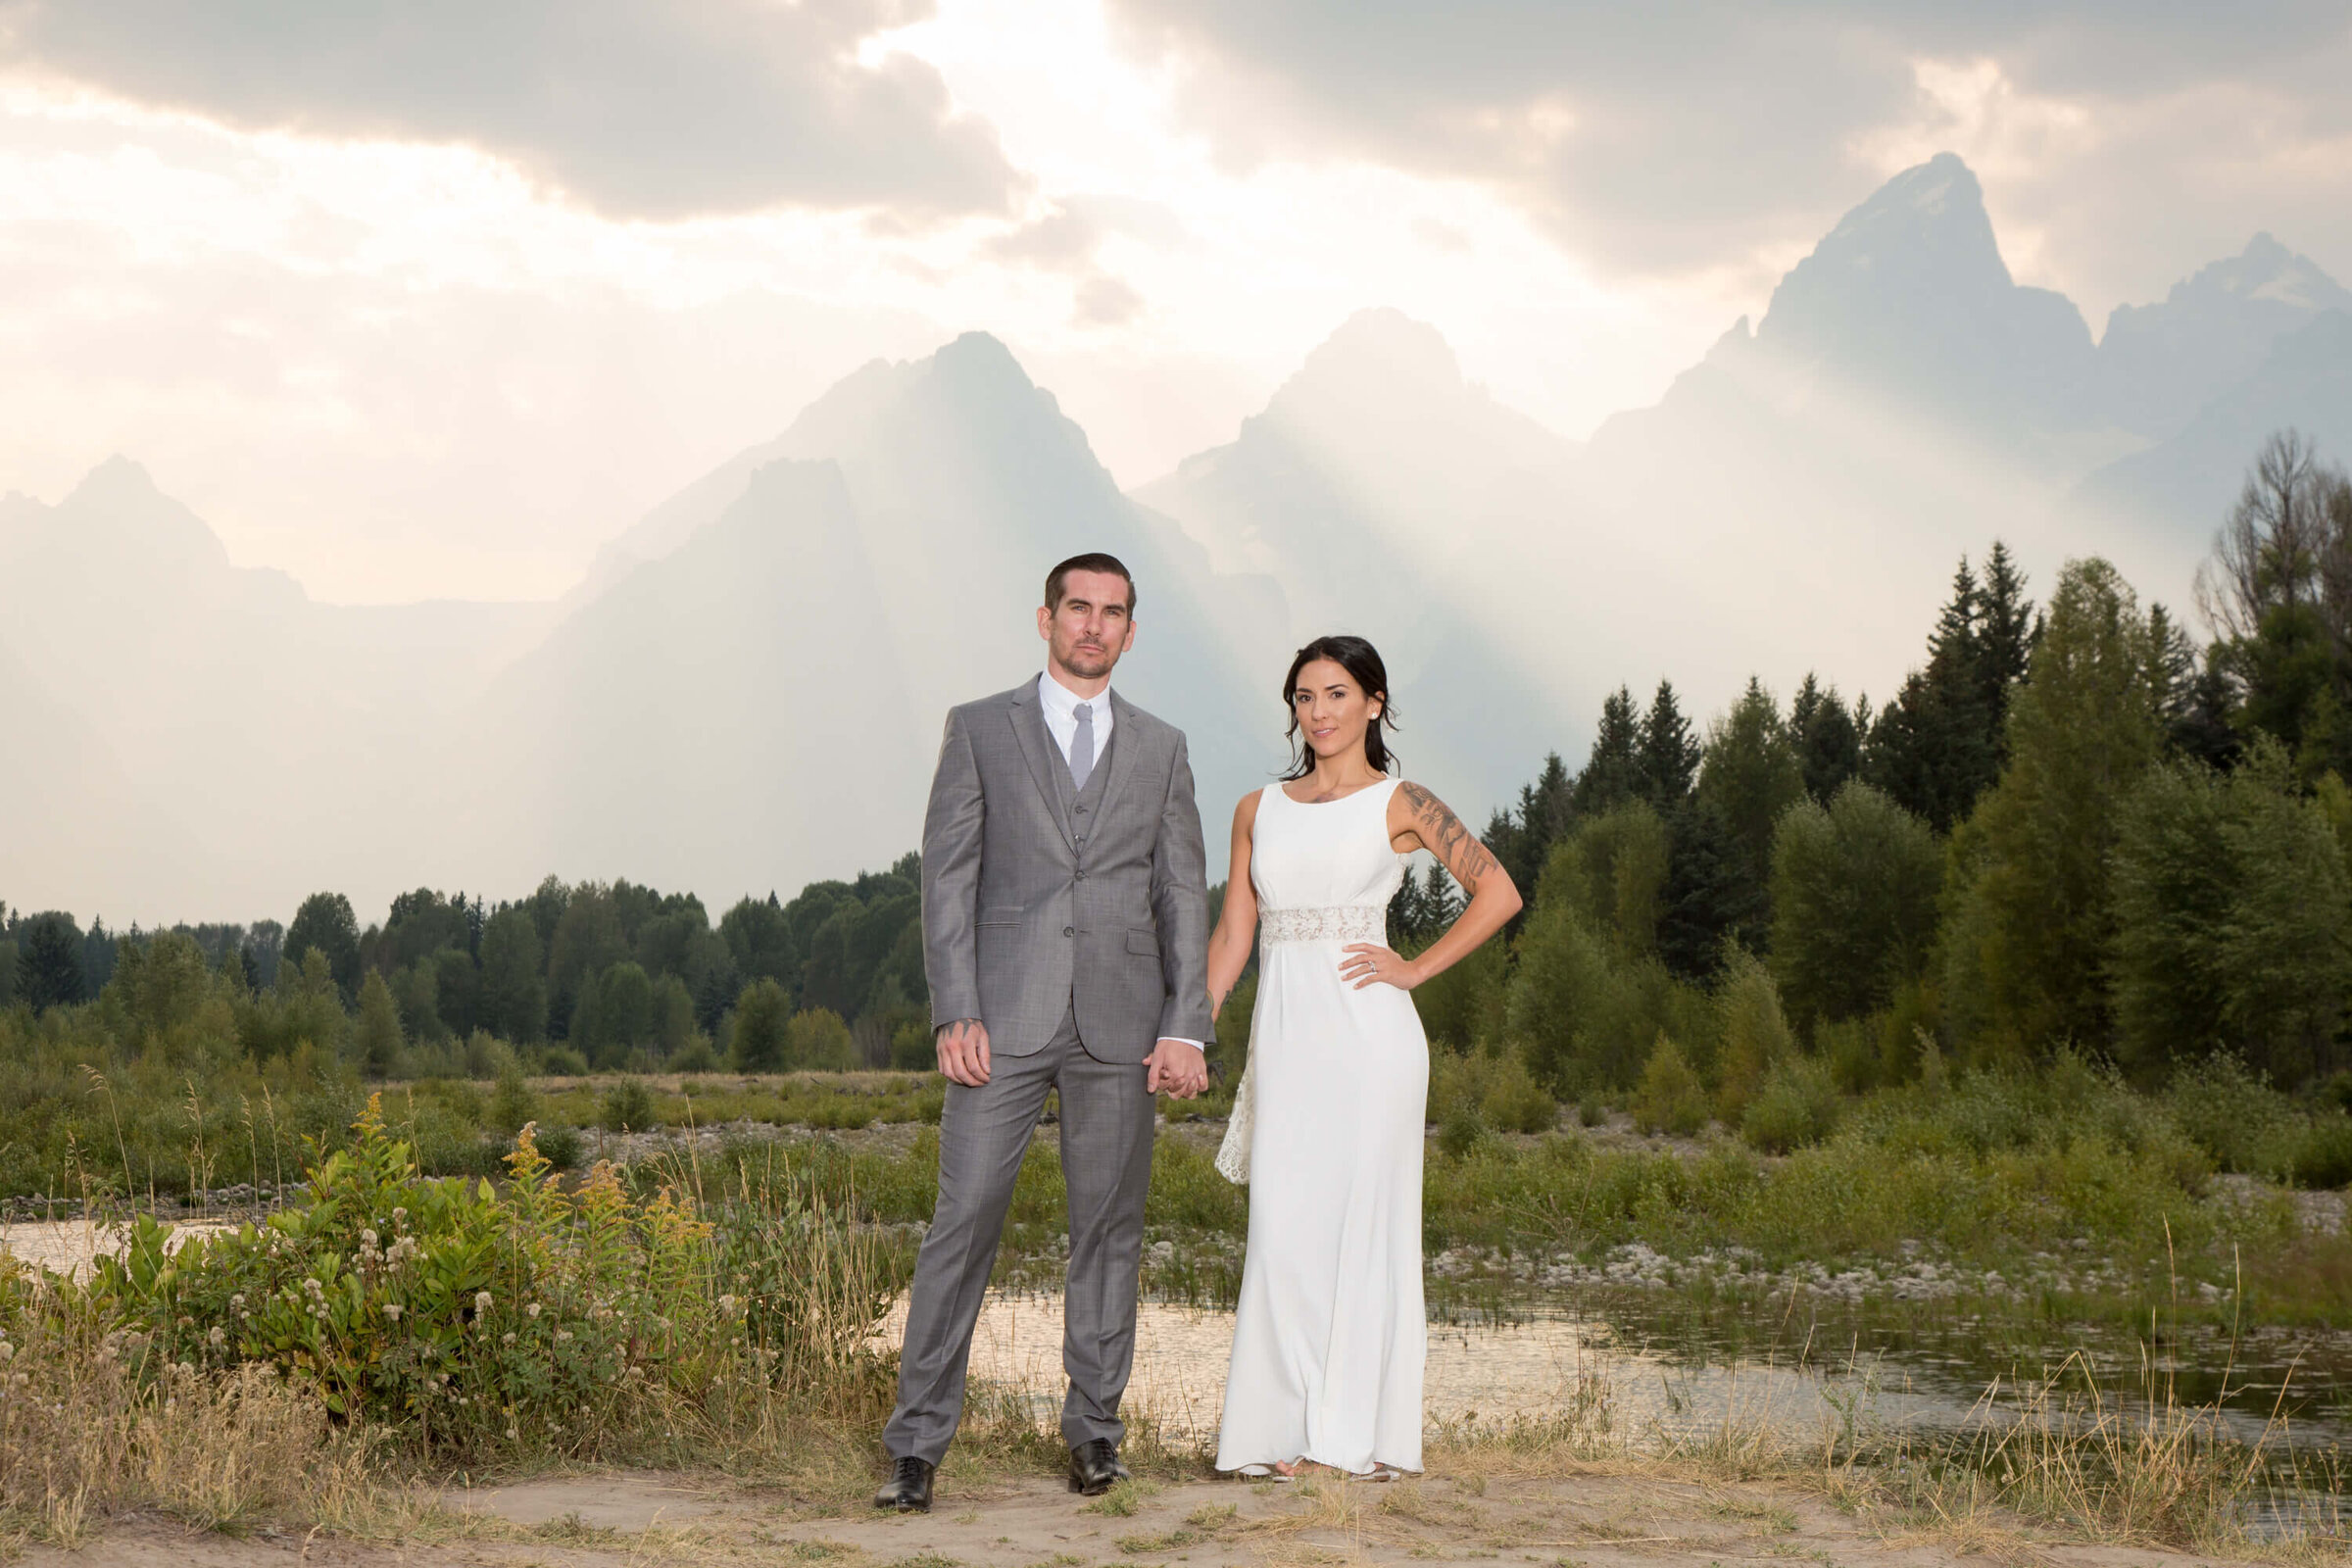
<point>1361,660</point>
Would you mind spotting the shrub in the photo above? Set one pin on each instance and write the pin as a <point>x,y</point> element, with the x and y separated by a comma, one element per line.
<point>2235,1115</point>
<point>912,1049</point>
<point>528,1320</point>
<point>2231,917</point>
<point>512,1102</point>
<point>2323,1156</point>
<point>1850,1048</point>
<point>627,1107</point>
<point>1796,1105</point>
<point>1455,1102</point>
<point>561,1061</point>
<point>1755,1036</point>
<point>1584,1020</point>
<point>817,1040</point>
<point>1671,1098</point>
<point>763,1014</point>
<point>560,1147</point>
<point>695,1055</point>
<point>1513,1100</point>
<point>1854,900</point>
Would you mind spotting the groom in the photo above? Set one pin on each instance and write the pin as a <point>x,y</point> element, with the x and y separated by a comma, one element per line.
<point>1065,932</point>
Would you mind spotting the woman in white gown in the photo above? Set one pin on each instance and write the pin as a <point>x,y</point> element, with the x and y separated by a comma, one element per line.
<point>1329,1337</point>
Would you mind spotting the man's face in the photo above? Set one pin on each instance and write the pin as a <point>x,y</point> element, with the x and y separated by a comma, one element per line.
<point>1087,631</point>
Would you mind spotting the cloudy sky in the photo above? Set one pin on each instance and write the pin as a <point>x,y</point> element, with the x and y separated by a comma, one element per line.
<point>429,299</point>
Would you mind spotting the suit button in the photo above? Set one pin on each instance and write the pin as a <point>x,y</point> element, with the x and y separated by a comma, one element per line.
<point>1078,876</point>
<point>1081,810</point>
<point>1069,931</point>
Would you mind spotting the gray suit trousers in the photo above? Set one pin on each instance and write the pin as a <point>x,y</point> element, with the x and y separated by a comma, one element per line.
<point>1107,1128</point>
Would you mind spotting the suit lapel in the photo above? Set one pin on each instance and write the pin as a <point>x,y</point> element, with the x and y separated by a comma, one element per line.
<point>1122,747</point>
<point>1038,750</point>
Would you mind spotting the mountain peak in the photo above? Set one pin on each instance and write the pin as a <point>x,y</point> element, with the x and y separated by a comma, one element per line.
<point>1908,294</point>
<point>2268,272</point>
<point>117,479</point>
<point>980,357</point>
<point>1925,229</point>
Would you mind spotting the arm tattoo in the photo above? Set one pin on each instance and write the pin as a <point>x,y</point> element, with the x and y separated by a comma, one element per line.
<point>1447,838</point>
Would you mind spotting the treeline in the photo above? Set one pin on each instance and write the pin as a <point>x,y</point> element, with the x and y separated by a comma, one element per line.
<point>2069,832</point>
<point>569,979</point>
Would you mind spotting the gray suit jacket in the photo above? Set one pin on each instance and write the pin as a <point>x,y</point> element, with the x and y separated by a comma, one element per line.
<point>1030,908</point>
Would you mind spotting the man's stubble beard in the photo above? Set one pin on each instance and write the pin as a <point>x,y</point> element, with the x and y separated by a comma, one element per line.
<point>1089,665</point>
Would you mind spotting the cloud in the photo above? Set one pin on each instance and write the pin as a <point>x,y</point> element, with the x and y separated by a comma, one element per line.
<point>1072,231</point>
<point>637,109</point>
<point>1105,302</point>
<point>1663,139</point>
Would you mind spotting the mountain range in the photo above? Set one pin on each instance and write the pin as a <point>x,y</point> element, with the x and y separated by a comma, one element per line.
<point>744,690</point>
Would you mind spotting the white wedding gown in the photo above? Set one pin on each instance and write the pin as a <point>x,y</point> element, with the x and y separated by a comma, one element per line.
<point>1330,1337</point>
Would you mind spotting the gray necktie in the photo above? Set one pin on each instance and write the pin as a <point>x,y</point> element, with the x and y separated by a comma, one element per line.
<point>1082,747</point>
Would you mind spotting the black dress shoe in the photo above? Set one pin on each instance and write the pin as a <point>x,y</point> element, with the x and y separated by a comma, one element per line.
<point>1095,1467</point>
<point>910,1487</point>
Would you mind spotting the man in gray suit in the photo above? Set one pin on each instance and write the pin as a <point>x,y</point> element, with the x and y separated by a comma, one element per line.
<point>1066,936</point>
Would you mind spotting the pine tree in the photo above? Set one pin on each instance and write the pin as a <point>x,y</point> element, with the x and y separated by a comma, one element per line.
<point>1521,840</point>
<point>1751,775</point>
<point>1829,743</point>
<point>1669,751</point>
<point>49,961</point>
<point>2027,937</point>
<point>1612,774</point>
<point>2007,628</point>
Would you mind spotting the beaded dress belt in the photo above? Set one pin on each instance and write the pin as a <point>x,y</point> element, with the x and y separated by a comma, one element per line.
<point>1341,922</point>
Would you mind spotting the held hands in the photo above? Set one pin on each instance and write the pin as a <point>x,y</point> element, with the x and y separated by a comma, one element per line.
<point>1176,1068</point>
<point>1368,963</point>
<point>963,1051</point>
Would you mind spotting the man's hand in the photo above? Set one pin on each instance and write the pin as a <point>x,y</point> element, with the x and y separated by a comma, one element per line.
<point>1176,1068</point>
<point>963,1051</point>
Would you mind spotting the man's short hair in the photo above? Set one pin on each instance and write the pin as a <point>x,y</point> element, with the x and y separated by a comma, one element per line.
<point>1092,560</point>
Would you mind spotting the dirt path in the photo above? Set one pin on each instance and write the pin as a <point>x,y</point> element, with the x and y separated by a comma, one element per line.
<point>1602,1520</point>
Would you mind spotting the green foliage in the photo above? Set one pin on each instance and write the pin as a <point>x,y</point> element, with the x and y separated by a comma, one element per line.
<point>1755,1036</point>
<point>2029,912</point>
<point>2232,918</point>
<point>1471,1094</point>
<point>1751,774</point>
<point>817,1040</point>
<point>528,1320</point>
<point>762,1017</point>
<point>912,1048</point>
<point>324,923</point>
<point>49,962</point>
<point>514,994</point>
<point>1853,898</point>
<point>1611,871</point>
<point>378,1036</point>
<point>1463,1008</point>
<point>513,1105</point>
<point>2234,1114</point>
<point>627,1107</point>
<point>1670,1098</point>
<point>1829,740</point>
<point>1796,1105</point>
<point>1584,1020</point>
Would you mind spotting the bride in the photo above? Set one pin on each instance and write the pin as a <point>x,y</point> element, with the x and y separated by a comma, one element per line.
<point>1329,1338</point>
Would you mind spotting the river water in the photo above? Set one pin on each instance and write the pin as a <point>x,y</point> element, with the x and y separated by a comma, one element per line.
<point>1652,1363</point>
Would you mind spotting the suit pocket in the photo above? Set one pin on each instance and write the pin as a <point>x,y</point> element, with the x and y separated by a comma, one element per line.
<point>1146,942</point>
<point>1000,918</point>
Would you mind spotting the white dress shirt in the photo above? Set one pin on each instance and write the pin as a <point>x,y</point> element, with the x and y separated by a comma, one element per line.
<point>1060,705</point>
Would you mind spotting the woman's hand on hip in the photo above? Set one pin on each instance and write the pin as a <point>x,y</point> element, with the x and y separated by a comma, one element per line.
<point>1369,964</point>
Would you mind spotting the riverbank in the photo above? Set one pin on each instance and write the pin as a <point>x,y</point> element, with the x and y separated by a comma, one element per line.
<point>1482,1501</point>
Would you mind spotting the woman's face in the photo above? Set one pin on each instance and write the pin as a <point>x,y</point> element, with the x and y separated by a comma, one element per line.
<point>1333,712</point>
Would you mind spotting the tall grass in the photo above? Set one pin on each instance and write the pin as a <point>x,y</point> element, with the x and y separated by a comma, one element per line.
<point>391,1317</point>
